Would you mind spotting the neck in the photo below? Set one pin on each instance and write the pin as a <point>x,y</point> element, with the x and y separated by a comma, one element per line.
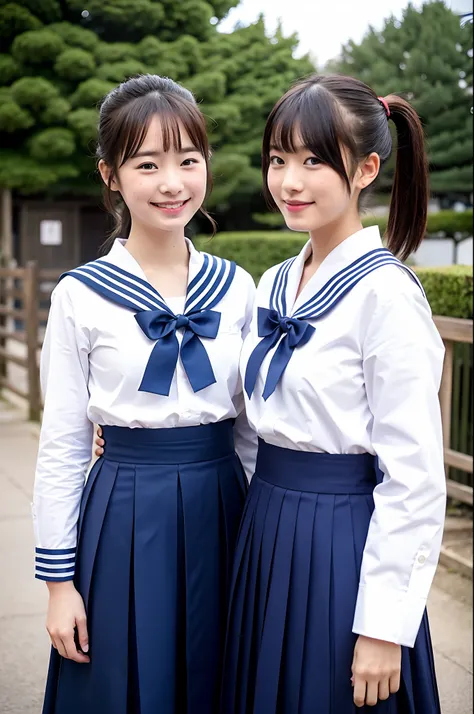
<point>325,239</point>
<point>153,249</point>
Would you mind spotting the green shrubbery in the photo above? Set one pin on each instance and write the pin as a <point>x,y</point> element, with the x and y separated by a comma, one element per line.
<point>446,223</point>
<point>254,251</point>
<point>442,223</point>
<point>59,58</point>
<point>448,289</point>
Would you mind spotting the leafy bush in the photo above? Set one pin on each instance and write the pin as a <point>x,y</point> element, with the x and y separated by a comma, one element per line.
<point>443,223</point>
<point>117,71</point>
<point>149,50</point>
<point>75,36</point>
<point>254,251</point>
<point>114,52</point>
<point>14,20</point>
<point>37,47</point>
<point>449,223</point>
<point>446,223</point>
<point>13,117</point>
<point>46,10</point>
<point>448,289</point>
<point>91,92</point>
<point>75,64</point>
<point>84,122</point>
<point>23,171</point>
<point>56,112</point>
<point>34,92</point>
<point>52,144</point>
<point>9,69</point>
<point>208,86</point>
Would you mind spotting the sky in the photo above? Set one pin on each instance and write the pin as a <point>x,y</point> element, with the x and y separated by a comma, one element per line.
<point>323,26</point>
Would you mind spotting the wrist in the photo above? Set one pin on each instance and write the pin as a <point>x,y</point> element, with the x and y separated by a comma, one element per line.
<point>60,587</point>
<point>377,640</point>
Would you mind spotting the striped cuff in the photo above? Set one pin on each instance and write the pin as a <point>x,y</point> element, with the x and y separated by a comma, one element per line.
<point>55,565</point>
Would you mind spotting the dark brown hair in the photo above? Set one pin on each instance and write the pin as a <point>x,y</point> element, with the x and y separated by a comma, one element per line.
<point>331,112</point>
<point>125,115</point>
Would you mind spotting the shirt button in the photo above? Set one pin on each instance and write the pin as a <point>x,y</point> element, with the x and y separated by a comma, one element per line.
<point>421,559</point>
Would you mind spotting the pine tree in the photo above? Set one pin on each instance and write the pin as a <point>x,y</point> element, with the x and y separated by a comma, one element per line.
<point>58,60</point>
<point>427,58</point>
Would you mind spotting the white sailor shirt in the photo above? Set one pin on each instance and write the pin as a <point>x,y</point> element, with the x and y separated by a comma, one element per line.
<point>367,381</point>
<point>92,363</point>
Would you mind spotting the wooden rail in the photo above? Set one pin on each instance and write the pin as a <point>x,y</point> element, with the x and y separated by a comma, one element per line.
<point>453,330</point>
<point>23,285</point>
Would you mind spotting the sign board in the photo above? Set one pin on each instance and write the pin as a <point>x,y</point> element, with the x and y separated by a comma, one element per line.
<point>51,232</point>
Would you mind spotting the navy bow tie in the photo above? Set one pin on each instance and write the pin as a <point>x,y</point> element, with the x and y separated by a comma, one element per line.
<point>158,322</point>
<point>271,326</point>
<point>296,331</point>
<point>161,326</point>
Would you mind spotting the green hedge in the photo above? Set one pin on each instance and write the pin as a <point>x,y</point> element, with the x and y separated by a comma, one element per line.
<point>449,290</point>
<point>256,252</point>
<point>446,223</point>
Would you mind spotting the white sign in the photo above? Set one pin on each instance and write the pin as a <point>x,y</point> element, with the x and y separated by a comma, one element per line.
<point>51,232</point>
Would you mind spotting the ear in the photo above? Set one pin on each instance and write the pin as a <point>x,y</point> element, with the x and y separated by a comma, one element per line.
<point>106,172</point>
<point>368,171</point>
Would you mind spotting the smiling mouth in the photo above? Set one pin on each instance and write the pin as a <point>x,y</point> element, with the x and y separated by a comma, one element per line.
<point>170,205</point>
<point>296,206</point>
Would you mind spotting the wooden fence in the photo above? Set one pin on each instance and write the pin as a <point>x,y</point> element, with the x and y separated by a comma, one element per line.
<point>456,332</point>
<point>22,325</point>
<point>24,300</point>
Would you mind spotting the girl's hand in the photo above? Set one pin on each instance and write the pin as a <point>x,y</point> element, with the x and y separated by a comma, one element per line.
<point>65,613</point>
<point>99,442</point>
<point>375,670</point>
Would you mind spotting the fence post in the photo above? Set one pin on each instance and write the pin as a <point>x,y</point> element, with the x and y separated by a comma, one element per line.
<point>445,395</point>
<point>3,322</point>
<point>30,288</point>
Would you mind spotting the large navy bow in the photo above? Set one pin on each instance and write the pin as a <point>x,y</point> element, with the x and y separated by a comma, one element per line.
<point>271,326</point>
<point>161,325</point>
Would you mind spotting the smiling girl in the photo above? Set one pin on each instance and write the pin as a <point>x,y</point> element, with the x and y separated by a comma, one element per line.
<point>343,522</point>
<point>145,342</point>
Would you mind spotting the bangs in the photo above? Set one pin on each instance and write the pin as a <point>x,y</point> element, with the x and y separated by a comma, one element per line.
<point>133,122</point>
<point>309,117</point>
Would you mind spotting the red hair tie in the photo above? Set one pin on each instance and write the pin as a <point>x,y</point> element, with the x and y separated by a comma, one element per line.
<point>384,103</point>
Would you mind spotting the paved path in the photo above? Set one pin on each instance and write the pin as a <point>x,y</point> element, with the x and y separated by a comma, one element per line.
<point>23,640</point>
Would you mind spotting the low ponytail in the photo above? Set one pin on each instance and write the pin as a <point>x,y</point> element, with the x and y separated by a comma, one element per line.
<point>410,190</point>
<point>120,214</point>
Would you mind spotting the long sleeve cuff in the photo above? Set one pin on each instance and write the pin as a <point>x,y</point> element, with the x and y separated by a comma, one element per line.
<point>55,565</point>
<point>388,614</point>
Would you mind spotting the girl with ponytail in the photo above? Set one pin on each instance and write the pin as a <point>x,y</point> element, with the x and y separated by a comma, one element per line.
<point>342,528</point>
<point>145,341</point>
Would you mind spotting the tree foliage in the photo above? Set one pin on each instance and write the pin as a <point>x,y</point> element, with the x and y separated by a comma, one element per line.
<point>427,58</point>
<point>58,60</point>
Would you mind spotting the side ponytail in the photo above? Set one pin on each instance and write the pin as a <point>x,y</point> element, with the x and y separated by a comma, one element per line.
<point>410,191</point>
<point>333,111</point>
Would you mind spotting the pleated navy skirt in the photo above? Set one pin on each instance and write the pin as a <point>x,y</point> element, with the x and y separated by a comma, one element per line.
<point>296,573</point>
<point>159,519</point>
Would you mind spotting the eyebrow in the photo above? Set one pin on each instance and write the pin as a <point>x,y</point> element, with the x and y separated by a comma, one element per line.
<point>183,150</point>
